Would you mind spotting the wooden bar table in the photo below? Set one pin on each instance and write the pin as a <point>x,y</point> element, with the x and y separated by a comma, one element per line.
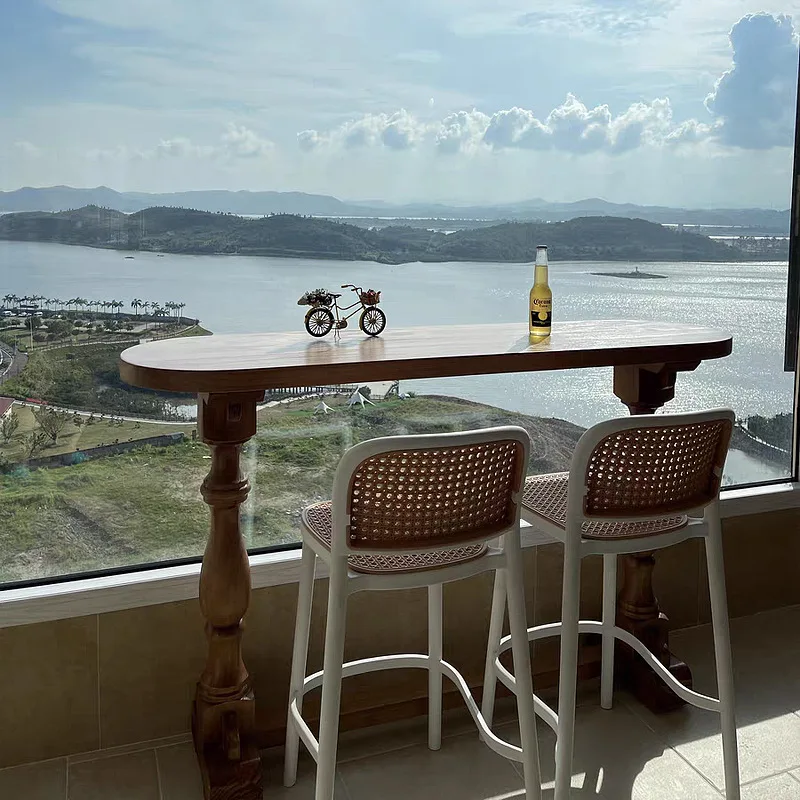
<point>230,373</point>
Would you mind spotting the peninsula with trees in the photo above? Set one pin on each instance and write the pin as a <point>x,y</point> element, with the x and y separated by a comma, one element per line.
<point>181,230</point>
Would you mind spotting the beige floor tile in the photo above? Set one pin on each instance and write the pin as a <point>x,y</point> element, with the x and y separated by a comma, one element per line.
<point>778,787</point>
<point>380,739</point>
<point>46,780</point>
<point>767,680</point>
<point>124,749</point>
<point>617,757</point>
<point>129,777</point>
<point>178,773</point>
<point>306,772</point>
<point>795,773</point>
<point>464,768</point>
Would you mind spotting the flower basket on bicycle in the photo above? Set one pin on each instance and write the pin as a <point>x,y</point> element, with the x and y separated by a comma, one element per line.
<point>316,297</point>
<point>326,315</point>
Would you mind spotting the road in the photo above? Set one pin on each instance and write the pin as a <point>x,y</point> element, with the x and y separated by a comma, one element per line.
<point>149,420</point>
<point>15,363</point>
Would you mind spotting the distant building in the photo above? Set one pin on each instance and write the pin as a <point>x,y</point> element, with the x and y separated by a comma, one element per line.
<point>6,403</point>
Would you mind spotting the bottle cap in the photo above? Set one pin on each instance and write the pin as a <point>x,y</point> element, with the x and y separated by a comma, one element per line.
<point>541,247</point>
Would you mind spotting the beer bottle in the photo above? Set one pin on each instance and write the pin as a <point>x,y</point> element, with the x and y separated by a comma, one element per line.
<point>541,298</point>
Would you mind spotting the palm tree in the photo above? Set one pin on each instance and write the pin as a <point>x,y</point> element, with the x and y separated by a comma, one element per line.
<point>181,306</point>
<point>117,305</point>
<point>136,304</point>
<point>7,298</point>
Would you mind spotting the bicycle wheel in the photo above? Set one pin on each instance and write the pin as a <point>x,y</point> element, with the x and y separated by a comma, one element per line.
<point>372,321</point>
<point>319,321</point>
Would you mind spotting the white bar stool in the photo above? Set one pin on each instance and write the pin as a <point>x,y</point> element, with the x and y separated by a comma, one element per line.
<point>413,511</point>
<point>635,484</point>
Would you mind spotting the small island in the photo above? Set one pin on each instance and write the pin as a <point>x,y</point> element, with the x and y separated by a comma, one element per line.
<point>636,275</point>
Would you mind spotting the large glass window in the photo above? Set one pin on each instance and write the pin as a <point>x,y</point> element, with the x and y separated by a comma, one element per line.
<point>197,168</point>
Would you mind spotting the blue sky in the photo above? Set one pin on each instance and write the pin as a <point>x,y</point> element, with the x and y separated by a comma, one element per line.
<point>686,102</point>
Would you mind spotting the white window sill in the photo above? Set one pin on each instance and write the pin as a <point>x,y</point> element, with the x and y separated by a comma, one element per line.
<point>170,584</point>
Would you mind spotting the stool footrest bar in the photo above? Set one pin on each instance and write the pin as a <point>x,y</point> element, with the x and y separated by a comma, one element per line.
<point>592,626</point>
<point>408,661</point>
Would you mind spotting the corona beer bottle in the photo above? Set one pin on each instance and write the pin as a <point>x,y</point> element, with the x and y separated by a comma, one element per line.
<point>541,298</point>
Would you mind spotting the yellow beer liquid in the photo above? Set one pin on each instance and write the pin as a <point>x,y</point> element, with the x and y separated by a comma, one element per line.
<point>540,305</point>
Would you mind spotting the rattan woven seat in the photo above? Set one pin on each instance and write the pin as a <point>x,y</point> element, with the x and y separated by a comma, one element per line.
<point>319,521</point>
<point>546,497</point>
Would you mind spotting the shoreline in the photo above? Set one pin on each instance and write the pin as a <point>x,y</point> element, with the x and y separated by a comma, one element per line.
<point>323,256</point>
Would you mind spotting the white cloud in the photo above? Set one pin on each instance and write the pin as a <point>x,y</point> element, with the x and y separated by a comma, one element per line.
<point>120,153</point>
<point>591,18</point>
<point>28,149</point>
<point>596,17</point>
<point>397,131</point>
<point>181,147</point>
<point>754,101</point>
<point>309,140</point>
<point>461,131</point>
<point>752,107</point>
<point>690,132</point>
<point>571,127</point>
<point>516,127</point>
<point>239,141</point>
<point>574,128</point>
<point>642,124</point>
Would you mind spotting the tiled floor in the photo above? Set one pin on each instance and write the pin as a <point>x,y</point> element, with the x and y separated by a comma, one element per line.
<point>619,754</point>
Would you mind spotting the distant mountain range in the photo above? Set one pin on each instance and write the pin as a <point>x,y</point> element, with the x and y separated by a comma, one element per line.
<point>178,230</point>
<point>62,198</point>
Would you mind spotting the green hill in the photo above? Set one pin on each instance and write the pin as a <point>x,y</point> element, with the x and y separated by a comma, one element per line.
<point>180,230</point>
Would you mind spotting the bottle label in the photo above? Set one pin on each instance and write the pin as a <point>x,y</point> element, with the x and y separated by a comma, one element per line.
<point>541,313</point>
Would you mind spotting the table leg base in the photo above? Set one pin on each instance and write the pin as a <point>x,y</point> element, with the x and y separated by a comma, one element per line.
<point>228,756</point>
<point>636,676</point>
<point>650,690</point>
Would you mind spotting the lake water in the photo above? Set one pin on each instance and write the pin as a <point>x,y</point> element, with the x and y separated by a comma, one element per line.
<point>232,294</point>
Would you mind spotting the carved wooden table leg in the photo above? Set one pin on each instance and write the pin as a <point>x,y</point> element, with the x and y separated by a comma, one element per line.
<point>223,717</point>
<point>644,389</point>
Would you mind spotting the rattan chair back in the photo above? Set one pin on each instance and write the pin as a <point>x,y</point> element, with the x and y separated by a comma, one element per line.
<point>430,491</point>
<point>652,466</point>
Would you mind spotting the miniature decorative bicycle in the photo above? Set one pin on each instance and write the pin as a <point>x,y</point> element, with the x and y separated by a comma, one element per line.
<point>320,319</point>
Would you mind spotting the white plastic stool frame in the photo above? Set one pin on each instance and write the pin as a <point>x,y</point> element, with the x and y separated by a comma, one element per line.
<point>704,523</point>
<point>503,555</point>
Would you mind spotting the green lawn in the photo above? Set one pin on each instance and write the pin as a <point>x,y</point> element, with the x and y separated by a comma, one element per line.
<point>91,432</point>
<point>145,506</point>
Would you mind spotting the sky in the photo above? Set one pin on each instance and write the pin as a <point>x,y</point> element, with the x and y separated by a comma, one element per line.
<point>664,102</point>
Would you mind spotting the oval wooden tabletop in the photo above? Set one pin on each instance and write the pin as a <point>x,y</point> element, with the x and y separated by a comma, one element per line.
<point>246,362</point>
